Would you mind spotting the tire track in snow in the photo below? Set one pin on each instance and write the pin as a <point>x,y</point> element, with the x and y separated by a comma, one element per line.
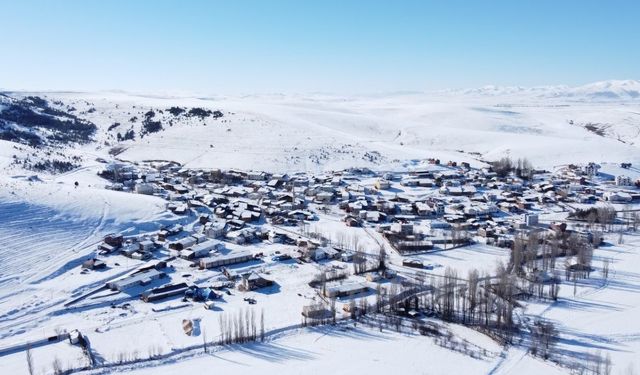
<point>71,259</point>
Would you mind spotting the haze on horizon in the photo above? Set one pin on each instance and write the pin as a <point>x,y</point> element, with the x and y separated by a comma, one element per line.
<point>332,46</point>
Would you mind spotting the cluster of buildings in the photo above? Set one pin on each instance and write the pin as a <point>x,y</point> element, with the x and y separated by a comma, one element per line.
<point>432,207</point>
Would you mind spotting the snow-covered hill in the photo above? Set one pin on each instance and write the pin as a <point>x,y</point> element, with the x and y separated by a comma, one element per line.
<point>612,90</point>
<point>548,125</point>
<point>605,90</point>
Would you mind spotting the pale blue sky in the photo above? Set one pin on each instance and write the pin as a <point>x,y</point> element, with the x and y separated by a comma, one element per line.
<point>346,46</point>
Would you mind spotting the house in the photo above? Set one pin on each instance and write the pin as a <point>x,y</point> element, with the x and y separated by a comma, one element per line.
<point>183,243</point>
<point>201,294</point>
<point>135,279</point>
<point>277,237</point>
<point>622,180</point>
<point>591,169</point>
<point>200,238</point>
<point>164,292</point>
<point>486,232</point>
<point>316,312</point>
<point>181,209</point>
<point>115,240</point>
<point>227,259</point>
<point>344,290</point>
<point>347,256</point>
<point>423,209</point>
<point>372,216</point>
<point>314,253</point>
<point>146,245</point>
<point>401,228</point>
<point>373,277</point>
<point>382,184</point>
<point>141,255</point>
<point>274,183</point>
<point>145,188</point>
<point>256,176</point>
<point>200,250</point>
<point>238,237</point>
<point>104,248</point>
<point>324,197</point>
<point>94,264</point>
<point>351,221</point>
<point>480,210</point>
<point>331,253</point>
<point>128,250</point>
<point>171,231</point>
<point>215,229</point>
<point>254,280</point>
<point>617,196</point>
<point>301,215</point>
<point>180,189</point>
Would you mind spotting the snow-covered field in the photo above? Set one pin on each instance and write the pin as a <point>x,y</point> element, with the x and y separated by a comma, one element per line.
<point>318,133</point>
<point>48,228</point>
<point>342,350</point>
<point>550,126</point>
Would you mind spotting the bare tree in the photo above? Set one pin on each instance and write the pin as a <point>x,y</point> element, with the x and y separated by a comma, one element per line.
<point>544,337</point>
<point>57,366</point>
<point>635,221</point>
<point>30,361</point>
<point>333,310</point>
<point>517,253</point>
<point>605,268</point>
<point>606,216</point>
<point>382,256</point>
<point>554,288</point>
<point>448,294</point>
<point>607,365</point>
<point>359,262</point>
<point>262,325</point>
<point>204,339</point>
<point>585,255</point>
<point>472,291</point>
<point>378,298</point>
<point>598,362</point>
<point>592,218</point>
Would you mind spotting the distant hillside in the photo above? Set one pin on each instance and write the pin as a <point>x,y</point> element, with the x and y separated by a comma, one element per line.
<point>34,121</point>
<point>608,91</point>
<point>605,90</point>
<point>548,125</point>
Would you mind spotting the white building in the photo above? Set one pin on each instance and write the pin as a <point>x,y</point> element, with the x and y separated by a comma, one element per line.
<point>617,196</point>
<point>382,184</point>
<point>591,169</point>
<point>145,188</point>
<point>215,229</point>
<point>622,180</point>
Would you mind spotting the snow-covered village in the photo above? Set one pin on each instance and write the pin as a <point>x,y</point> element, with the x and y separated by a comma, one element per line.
<point>283,188</point>
<point>452,253</point>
